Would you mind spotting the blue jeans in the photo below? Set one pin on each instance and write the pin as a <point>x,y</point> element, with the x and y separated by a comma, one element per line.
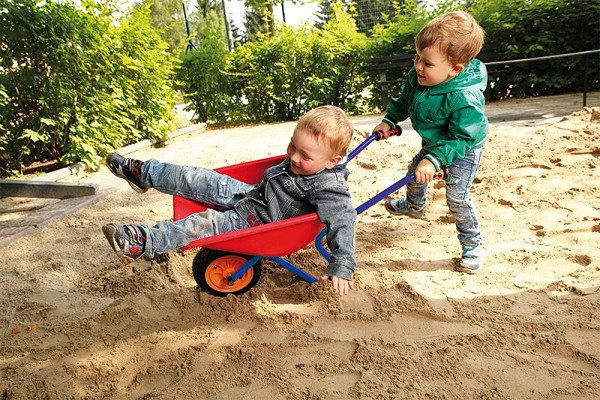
<point>460,176</point>
<point>194,183</point>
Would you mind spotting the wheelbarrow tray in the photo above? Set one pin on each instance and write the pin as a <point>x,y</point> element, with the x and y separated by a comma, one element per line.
<point>275,239</point>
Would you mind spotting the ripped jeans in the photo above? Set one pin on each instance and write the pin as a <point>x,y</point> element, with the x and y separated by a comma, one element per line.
<point>460,176</point>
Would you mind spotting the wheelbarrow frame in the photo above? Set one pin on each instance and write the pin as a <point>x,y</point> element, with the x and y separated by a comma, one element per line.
<point>251,241</point>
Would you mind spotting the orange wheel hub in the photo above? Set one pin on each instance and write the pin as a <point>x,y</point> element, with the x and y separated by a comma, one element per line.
<point>218,272</point>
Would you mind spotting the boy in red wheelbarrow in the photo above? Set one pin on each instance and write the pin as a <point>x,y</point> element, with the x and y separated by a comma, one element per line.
<point>313,178</point>
<point>443,96</point>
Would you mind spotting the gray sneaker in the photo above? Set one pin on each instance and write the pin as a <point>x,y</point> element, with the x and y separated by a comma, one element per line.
<point>128,241</point>
<point>128,169</point>
<point>472,259</point>
<point>401,207</point>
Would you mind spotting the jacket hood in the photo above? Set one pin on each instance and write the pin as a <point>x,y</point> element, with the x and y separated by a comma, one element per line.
<point>473,77</point>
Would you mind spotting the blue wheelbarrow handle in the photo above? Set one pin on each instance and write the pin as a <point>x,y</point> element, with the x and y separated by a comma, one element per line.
<point>391,189</point>
<point>374,136</point>
<point>385,193</point>
<point>367,204</point>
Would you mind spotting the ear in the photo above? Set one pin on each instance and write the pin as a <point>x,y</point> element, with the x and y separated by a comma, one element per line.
<point>457,69</point>
<point>333,162</point>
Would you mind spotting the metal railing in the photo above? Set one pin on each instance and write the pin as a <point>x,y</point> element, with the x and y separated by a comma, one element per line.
<point>542,58</point>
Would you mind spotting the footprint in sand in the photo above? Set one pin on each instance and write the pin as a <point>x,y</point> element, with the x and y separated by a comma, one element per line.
<point>360,303</point>
<point>587,341</point>
<point>403,328</point>
<point>542,274</point>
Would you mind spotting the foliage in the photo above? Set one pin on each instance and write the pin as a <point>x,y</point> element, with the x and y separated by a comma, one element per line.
<point>201,73</point>
<point>76,86</point>
<point>516,29</point>
<point>76,83</point>
<point>279,78</point>
<point>367,13</point>
<point>340,79</point>
<point>524,29</point>
<point>167,18</point>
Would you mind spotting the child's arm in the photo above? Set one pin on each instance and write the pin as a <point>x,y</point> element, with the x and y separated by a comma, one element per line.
<point>397,108</point>
<point>467,129</point>
<point>334,206</point>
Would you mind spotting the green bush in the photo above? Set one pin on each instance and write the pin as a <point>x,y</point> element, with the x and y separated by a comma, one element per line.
<point>75,83</point>
<point>77,86</point>
<point>277,78</point>
<point>201,74</point>
<point>525,29</point>
<point>517,29</point>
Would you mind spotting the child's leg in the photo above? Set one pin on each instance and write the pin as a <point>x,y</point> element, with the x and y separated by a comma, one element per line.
<point>166,235</point>
<point>458,186</point>
<point>194,183</point>
<point>133,241</point>
<point>416,192</point>
<point>414,202</point>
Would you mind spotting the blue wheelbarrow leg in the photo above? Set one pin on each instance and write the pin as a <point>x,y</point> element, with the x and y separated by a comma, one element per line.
<point>292,268</point>
<point>279,260</point>
<point>242,270</point>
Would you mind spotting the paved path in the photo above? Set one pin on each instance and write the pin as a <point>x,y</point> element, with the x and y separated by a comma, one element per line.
<point>19,216</point>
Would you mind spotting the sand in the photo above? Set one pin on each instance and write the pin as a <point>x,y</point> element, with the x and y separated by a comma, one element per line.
<point>78,324</point>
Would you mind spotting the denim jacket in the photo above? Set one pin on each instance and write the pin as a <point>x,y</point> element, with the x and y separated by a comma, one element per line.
<point>282,195</point>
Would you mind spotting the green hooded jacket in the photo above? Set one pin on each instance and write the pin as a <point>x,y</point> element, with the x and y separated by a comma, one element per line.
<point>449,117</point>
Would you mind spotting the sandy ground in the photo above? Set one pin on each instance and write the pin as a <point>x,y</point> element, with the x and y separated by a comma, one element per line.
<point>77,324</point>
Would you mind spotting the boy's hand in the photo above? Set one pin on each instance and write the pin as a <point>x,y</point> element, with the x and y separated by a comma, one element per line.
<point>425,171</point>
<point>384,128</point>
<point>340,285</point>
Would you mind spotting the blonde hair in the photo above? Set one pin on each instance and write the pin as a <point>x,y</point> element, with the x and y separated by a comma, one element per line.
<point>457,34</point>
<point>329,124</point>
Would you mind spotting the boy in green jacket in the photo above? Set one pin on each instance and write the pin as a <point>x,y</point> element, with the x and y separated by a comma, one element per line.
<point>443,96</point>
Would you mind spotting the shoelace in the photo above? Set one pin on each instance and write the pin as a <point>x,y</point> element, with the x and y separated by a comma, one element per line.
<point>133,165</point>
<point>136,234</point>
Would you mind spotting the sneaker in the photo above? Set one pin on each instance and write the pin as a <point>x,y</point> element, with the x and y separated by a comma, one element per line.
<point>128,169</point>
<point>401,207</point>
<point>128,241</point>
<point>472,259</point>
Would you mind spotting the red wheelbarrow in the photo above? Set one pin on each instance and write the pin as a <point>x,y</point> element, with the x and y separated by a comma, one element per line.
<point>231,262</point>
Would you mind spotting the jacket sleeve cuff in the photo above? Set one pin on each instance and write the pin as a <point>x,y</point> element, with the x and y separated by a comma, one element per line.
<point>341,270</point>
<point>389,121</point>
<point>437,163</point>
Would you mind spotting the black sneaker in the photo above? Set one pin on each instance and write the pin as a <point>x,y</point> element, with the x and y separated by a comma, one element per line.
<point>128,169</point>
<point>128,241</point>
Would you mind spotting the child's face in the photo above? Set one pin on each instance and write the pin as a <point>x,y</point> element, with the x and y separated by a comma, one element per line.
<point>308,156</point>
<point>433,67</point>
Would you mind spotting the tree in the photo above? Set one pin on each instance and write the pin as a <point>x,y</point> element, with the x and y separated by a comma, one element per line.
<point>372,12</point>
<point>260,17</point>
<point>167,17</point>
<point>324,12</point>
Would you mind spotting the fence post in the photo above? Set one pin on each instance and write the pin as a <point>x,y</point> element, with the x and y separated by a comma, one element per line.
<point>585,78</point>
<point>384,90</point>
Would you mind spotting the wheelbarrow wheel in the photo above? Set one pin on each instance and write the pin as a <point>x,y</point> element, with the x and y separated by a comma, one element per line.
<point>212,269</point>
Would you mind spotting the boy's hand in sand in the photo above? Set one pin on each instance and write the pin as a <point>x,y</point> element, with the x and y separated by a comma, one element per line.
<point>340,285</point>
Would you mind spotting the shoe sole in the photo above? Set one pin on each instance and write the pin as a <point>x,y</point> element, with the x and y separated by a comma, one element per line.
<point>391,210</point>
<point>119,174</point>
<point>466,270</point>
<point>109,233</point>
<point>463,268</point>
